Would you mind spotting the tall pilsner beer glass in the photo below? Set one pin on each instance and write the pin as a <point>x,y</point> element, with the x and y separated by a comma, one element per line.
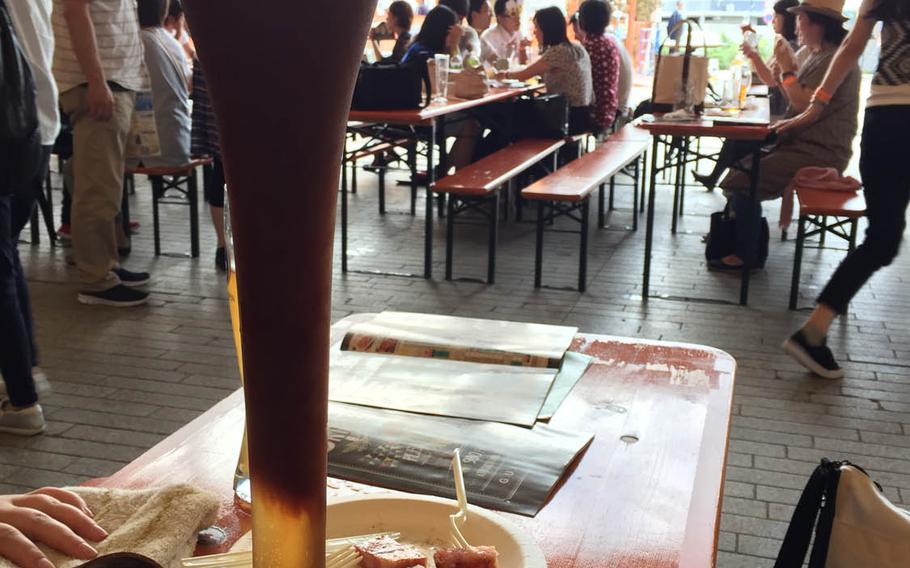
<point>281,103</point>
<point>242,495</point>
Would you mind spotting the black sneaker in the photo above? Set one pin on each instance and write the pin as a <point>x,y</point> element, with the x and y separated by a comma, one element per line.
<point>819,359</point>
<point>119,296</point>
<point>220,259</point>
<point>706,180</point>
<point>132,279</point>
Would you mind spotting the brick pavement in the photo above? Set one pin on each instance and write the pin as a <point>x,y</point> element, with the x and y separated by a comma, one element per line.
<point>125,379</point>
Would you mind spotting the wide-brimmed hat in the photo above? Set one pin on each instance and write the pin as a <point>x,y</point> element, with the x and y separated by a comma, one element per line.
<point>830,8</point>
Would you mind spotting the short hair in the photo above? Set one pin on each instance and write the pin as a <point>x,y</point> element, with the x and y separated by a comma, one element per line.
<point>476,5</point>
<point>500,7</point>
<point>435,29</point>
<point>552,24</point>
<point>460,7</point>
<point>594,16</point>
<point>781,8</point>
<point>402,13</point>
<point>151,13</point>
<point>834,28</point>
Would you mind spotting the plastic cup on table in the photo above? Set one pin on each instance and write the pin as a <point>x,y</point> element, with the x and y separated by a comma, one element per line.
<point>442,76</point>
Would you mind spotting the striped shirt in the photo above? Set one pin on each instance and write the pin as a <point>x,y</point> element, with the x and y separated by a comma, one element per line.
<point>891,84</point>
<point>117,39</point>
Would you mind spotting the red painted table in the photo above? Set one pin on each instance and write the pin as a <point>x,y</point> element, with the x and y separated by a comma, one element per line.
<point>646,493</point>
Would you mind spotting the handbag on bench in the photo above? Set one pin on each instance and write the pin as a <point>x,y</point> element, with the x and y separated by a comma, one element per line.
<point>857,526</point>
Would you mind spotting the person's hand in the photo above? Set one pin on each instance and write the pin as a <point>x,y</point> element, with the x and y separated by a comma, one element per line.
<point>749,51</point>
<point>100,101</point>
<point>784,55</point>
<point>55,517</point>
<point>454,36</point>
<point>808,116</point>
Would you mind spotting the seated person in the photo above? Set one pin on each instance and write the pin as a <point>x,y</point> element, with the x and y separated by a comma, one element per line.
<point>51,516</point>
<point>479,18</point>
<point>593,17</point>
<point>440,33</point>
<point>469,44</point>
<point>504,39</point>
<point>175,23</point>
<point>785,25</point>
<point>164,59</point>
<point>398,20</point>
<point>564,66</point>
<point>825,143</point>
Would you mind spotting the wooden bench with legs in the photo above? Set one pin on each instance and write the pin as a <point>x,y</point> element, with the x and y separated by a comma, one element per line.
<point>815,206</point>
<point>181,179</point>
<point>475,186</point>
<point>633,154</point>
<point>567,192</point>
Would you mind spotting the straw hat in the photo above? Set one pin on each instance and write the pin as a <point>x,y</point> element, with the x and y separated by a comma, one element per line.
<point>830,8</point>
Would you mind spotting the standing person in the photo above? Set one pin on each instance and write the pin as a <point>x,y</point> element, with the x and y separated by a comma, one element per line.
<point>564,65</point>
<point>398,20</point>
<point>98,67</point>
<point>882,164</point>
<point>204,134</point>
<point>175,23</point>
<point>593,18</point>
<point>21,156</point>
<point>676,17</point>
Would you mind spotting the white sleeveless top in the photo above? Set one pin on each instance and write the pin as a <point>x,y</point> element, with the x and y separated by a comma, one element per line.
<point>117,38</point>
<point>891,83</point>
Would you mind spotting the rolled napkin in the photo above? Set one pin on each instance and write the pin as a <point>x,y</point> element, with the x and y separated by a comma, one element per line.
<point>159,523</point>
<point>813,177</point>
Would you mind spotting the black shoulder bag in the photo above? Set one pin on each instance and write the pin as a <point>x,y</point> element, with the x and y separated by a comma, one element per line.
<point>392,86</point>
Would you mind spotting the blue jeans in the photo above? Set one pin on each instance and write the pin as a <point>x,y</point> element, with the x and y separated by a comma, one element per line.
<point>17,347</point>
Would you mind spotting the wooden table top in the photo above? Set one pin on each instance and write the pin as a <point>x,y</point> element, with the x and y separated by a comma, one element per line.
<point>646,494</point>
<point>437,109</point>
<point>752,123</point>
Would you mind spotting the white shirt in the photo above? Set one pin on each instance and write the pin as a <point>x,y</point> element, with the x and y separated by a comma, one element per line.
<point>32,21</point>
<point>117,40</point>
<point>499,40</point>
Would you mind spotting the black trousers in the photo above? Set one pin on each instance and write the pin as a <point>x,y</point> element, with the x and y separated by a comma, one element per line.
<point>18,353</point>
<point>883,165</point>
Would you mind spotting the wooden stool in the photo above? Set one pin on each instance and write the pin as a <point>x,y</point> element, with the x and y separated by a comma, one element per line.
<point>815,206</point>
<point>181,179</point>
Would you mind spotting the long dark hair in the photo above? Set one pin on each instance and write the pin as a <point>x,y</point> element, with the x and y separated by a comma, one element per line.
<point>834,29</point>
<point>552,24</point>
<point>435,28</point>
<point>781,8</point>
<point>889,10</point>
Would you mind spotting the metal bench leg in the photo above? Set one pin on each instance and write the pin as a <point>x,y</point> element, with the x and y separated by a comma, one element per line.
<point>46,202</point>
<point>538,250</point>
<point>382,193</point>
<point>635,196</point>
<point>797,261</point>
<point>353,176</point>
<point>682,175</point>
<point>156,222</point>
<point>412,161</point>
<point>34,225</point>
<point>450,235</point>
<point>612,191</point>
<point>853,227</point>
<point>583,252</point>
<point>644,189</point>
<point>824,231</point>
<point>600,207</point>
<point>344,220</point>
<point>491,252</point>
<point>193,190</point>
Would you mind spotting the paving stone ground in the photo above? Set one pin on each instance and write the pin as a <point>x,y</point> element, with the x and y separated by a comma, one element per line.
<point>125,379</point>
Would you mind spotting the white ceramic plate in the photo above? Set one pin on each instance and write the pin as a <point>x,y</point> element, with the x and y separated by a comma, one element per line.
<point>425,519</point>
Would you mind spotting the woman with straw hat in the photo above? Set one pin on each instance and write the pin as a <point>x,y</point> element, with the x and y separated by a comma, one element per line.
<point>828,142</point>
<point>882,164</point>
